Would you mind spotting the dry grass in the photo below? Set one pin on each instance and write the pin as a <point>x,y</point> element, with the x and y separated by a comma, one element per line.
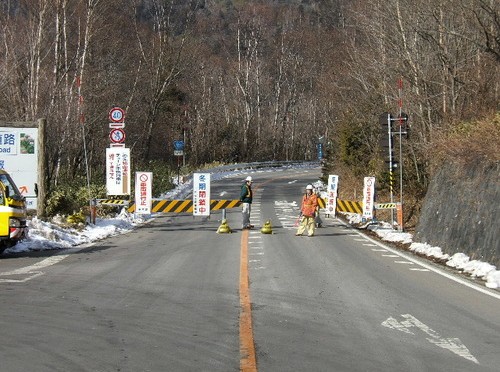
<point>468,143</point>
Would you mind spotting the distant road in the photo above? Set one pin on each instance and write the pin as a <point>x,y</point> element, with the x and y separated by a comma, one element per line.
<point>169,297</point>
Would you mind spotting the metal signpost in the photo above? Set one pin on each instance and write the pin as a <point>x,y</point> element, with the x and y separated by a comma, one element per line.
<point>117,156</point>
<point>386,120</point>
<point>178,151</point>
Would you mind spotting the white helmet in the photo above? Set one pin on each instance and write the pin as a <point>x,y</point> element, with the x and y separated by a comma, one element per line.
<point>249,179</point>
<point>309,187</point>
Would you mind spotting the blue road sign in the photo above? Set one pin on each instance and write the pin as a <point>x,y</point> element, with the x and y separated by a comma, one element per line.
<point>179,145</point>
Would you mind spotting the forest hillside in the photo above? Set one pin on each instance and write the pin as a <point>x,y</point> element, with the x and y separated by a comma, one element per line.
<point>252,80</point>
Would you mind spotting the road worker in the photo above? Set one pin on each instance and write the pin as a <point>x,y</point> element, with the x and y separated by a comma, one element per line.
<point>308,210</point>
<point>246,197</point>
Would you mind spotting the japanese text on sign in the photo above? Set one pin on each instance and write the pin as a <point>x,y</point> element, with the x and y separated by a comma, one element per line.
<point>201,194</point>
<point>19,157</point>
<point>118,171</point>
<point>368,197</point>
<point>333,182</point>
<point>143,194</point>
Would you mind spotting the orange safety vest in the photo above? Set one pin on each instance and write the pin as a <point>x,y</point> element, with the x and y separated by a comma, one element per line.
<point>309,205</point>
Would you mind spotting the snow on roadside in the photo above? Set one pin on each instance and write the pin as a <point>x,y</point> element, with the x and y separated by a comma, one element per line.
<point>46,235</point>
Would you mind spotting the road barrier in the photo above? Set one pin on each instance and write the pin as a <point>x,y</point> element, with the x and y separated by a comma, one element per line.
<point>185,206</point>
<point>344,205</point>
<point>385,205</point>
<point>112,202</point>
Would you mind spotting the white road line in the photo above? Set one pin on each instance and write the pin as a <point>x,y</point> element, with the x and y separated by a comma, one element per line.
<point>429,267</point>
<point>390,255</point>
<point>32,271</point>
<point>404,262</point>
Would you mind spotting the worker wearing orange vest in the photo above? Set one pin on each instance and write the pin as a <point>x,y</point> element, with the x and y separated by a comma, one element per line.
<point>308,210</point>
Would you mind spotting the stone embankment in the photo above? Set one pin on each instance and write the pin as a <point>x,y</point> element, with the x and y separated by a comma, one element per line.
<point>461,212</point>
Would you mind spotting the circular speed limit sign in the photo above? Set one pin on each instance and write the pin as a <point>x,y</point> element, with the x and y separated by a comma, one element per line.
<point>116,115</point>
<point>117,135</point>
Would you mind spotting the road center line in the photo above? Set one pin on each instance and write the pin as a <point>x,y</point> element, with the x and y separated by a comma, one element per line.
<point>247,346</point>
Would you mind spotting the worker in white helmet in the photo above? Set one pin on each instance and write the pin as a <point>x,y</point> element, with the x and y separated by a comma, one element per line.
<point>308,211</point>
<point>246,197</point>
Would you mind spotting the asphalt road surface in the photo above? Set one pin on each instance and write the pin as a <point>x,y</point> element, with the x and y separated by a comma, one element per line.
<point>174,295</point>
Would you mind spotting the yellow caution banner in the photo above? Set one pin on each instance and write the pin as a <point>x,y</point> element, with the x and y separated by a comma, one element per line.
<point>349,206</point>
<point>185,206</point>
<point>112,202</point>
<point>385,205</point>
<point>344,205</point>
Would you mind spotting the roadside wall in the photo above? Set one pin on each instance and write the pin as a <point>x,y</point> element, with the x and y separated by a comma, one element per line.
<point>461,212</point>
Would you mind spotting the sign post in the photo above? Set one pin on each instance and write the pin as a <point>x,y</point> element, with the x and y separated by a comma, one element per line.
<point>117,156</point>
<point>178,151</point>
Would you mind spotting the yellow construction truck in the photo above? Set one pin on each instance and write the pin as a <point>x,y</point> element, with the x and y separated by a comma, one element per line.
<point>12,213</point>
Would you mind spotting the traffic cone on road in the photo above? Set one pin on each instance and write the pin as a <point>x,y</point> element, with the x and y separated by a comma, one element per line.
<point>224,228</point>
<point>267,228</point>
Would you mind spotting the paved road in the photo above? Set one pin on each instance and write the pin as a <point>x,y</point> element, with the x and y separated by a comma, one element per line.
<point>168,297</point>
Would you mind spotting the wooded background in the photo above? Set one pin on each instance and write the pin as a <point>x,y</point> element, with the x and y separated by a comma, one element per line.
<point>248,80</point>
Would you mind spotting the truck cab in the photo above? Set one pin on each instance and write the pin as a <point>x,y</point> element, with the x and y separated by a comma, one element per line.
<point>12,213</point>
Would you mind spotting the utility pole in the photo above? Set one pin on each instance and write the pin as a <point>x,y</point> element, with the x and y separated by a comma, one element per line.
<point>385,121</point>
<point>400,122</point>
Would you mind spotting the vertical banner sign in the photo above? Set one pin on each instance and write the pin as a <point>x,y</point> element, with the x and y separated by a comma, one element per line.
<point>118,171</point>
<point>143,194</point>
<point>333,182</point>
<point>19,157</point>
<point>201,194</point>
<point>368,197</point>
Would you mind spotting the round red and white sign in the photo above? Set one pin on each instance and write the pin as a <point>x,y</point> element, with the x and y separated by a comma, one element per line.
<point>117,135</point>
<point>116,115</point>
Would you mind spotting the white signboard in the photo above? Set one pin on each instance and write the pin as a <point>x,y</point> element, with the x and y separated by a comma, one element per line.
<point>201,194</point>
<point>331,201</point>
<point>118,171</point>
<point>368,197</point>
<point>19,157</point>
<point>143,194</point>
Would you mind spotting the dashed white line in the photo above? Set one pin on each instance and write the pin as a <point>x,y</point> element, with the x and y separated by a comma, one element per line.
<point>431,268</point>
